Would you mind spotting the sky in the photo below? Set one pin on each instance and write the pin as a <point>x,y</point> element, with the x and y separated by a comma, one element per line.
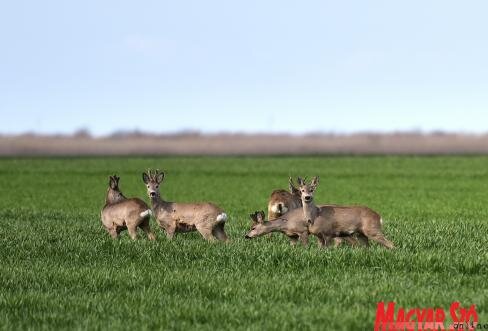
<point>243,66</point>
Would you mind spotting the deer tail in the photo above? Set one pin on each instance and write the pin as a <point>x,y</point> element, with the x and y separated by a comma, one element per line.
<point>222,217</point>
<point>145,213</point>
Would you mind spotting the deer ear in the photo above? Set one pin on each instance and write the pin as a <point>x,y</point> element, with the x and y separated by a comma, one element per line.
<point>255,218</point>
<point>112,183</point>
<point>315,182</point>
<point>300,181</point>
<point>259,217</point>
<point>145,178</point>
<point>160,177</point>
<point>292,186</point>
<point>262,216</point>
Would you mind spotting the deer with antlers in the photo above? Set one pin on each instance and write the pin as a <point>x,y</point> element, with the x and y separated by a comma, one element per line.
<point>120,213</point>
<point>331,221</point>
<point>174,217</point>
<point>282,202</point>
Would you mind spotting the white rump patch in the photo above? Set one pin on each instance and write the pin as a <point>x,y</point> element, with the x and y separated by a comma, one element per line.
<point>276,208</point>
<point>381,221</point>
<point>145,213</point>
<point>222,217</point>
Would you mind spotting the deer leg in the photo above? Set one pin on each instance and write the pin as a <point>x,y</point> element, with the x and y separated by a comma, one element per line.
<point>170,231</point>
<point>338,242</point>
<point>113,233</point>
<point>132,231</point>
<point>363,240</point>
<point>329,242</point>
<point>304,238</point>
<point>380,239</point>
<point>115,230</point>
<point>353,241</point>
<point>147,229</point>
<point>293,240</point>
<point>321,241</point>
<point>205,232</point>
<point>349,239</point>
<point>219,233</point>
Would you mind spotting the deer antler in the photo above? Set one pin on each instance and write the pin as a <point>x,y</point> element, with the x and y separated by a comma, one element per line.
<point>153,174</point>
<point>150,173</point>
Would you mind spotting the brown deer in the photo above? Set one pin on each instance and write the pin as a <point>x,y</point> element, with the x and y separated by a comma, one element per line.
<point>282,201</point>
<point>206,218</point>
<point>292,224</point>
<point>120,213</point>
<point>330,221</point>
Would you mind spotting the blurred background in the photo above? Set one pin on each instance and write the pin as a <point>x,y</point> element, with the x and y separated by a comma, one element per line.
<point>243,77</point>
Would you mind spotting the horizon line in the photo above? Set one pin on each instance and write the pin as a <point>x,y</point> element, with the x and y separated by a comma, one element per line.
<point>192,132</point>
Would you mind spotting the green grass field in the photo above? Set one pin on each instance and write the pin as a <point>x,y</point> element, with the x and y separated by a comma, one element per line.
<point>60,269</point>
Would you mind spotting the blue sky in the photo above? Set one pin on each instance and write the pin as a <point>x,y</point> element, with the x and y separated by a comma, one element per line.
<point>243,66</point>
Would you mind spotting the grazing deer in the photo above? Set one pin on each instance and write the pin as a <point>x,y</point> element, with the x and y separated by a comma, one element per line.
<point>120,213</point>
<point>292,224</point>
<point>330,221</point>
<point>206,218</point>
<point>282,201</point>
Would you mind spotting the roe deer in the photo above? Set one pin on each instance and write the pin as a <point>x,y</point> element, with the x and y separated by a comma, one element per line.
<point>120,213</point>
<point>282,201</point>
<point>330,221</point>
<point>206,218</point>
<point>292,224</point>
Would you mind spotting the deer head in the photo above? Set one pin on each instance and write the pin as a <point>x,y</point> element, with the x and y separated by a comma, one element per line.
<point>113,182</point>
<point>153,180</point>
<point>307,190</point>
<point>113,193</point>
<point>258,225</point>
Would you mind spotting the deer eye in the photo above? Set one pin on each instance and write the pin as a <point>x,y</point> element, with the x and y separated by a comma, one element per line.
<point>147,186</point>
<point>157,186</point>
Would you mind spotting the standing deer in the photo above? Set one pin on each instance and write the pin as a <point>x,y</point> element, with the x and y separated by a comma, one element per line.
<point>206,218</point>
<point>282,201</point>
<point>292,224</point>
<point>330,221</point>
<point>120,213</point>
